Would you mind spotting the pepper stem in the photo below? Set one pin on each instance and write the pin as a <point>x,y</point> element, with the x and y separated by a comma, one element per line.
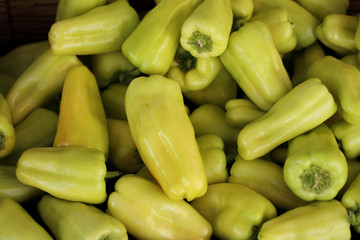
<point>315,179</point>
<point>112,174</point>
<point>2,141</point>
<point>354,215</point>
<point>200,42</point>
<point>186,61</point>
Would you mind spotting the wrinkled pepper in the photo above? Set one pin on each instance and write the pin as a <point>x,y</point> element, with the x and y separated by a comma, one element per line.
<point>10,186</point>
<point>349,137</point>
<point>153,51</point>
<point>304,22</point>
<point>315,167</point>
<point>148,213</point>
<point>242,9</point>
<point>164,136</point>
<point>234,211</point>
<point>305,107</point>
<point>241,111</point>
<point>262,77</point>
<point>82,120</point>
<point>205,33</point>
<point>343,81</point>
<point>278,20</point>
<point>7,131</point>
<point>113,99</point>
<point>102,29</point>
<point>266,178</point>
<point>70,173</point>
<point>337,32</point>
<point>41,82</point>
<point>211,148</point>
<point>17,223</point>
<point>322,8</point>
<point>72,8</point>
<point>123,154</point>
<point>192,73</point>
<point>351,201</point>
<point>76,220</point>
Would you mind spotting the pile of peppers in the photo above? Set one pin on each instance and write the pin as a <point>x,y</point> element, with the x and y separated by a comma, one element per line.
<point>190,119</point>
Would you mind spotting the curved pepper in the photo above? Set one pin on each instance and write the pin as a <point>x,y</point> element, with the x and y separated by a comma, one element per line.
<point>148,213</point>
<point>164,136</point>
<point>234,211</point>
<point>315,167</point>
<point>205,33</point>
<point>343,81</point>
<point>262,77</point>
<point>82,120</point>
<point>153,51</point>
<point>7,131</point>
<point>72,8</point>
<point>349,137</point>
<point>192,73</point>
<point>113,99</point>
<point>240,112</point>
<point>41,82</point>
<point>317,220</point>
<point>266,178</point>
<point>322,8</point>
<point>76,220</point>
<point>19,223</point>
<point>351,201</point>
<point>10,186</point>
<point>242,9</point>
<point>306,106</point>
<point>102,29</point>
<point>337,32</point>
<point>123,154</point>
<point>70,173</point>
<point>278,20</point>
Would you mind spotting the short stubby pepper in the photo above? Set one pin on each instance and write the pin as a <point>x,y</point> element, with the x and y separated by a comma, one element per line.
<point>7,131</point>
<point>61,217</point>
<point>148,213</point>
<point>205,33</point>
<point>262,77</point>
<point>315,167</point>
<point>306,106</point>
<point>351,201</point>
<point>317,220</point>
<point>102,29</point>
<point>234,211</point>
<point>69,8</point>
<point>349,137</point>
<point>164,136</point>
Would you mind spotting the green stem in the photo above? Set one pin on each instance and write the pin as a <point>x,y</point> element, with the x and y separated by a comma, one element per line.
<point>112,174</point>
<point>315,179</point>
<point>354,215</point>
<point>186,61</point>
<point>200,42</point>
<point>238,23</point>
<point>2,141</point>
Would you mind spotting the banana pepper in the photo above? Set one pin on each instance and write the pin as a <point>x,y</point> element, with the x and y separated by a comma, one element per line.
<point>82,120</point>
<point>164,136</point>
<point>342,80</point>
<point>262,77</point>
<point>349,137</point>
<point>76,220</point>
<point>102,29</point>
<point>234,211</point>
<point>315,167</point>
<point>7,131</point>
<point>351,201</point>
<point>113,99</point>
<point>17,223</point>
<point>41,82</point>
<point>70,173</point>
<point>205,33</point>
<point>153,51</point>
<point>72,8</point>
<point>322,8</point>
<point>148,213</point>
<point>317,220</point>
<point>305,107</point>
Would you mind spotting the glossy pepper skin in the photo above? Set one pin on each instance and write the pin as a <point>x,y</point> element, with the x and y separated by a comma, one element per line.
<point>102,29</point>
<point>19,223</point>
<point>113,99</point>
<point>322,8</point>
<point>351,201</point>
<point>242,9</point>
<point>40,83</point>
<point>82,120</point>
<point>164,136</point>
<point>343,81</point>
<point>76,220</point>
<point>147,212</point>
<point>337,32</point>
<point>278,20</point>
<point>204,34</point>
<point>7,131</point>
<point>348,135</point>
<point>266,178</point>
<point>165,21</point>
<point>70,173</point>
<point>263,78</point>
<point>70,8</point>
<point>315,167</point>
<point>320,220</point>
<point>291,115</point>
<point>234,211</point>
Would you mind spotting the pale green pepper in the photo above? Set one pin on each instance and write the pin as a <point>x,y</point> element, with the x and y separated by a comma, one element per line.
<point>72,8</point>
<point>351,201</point>
<point>7,131</point>
<point>242,9</point>
<point>349,137</point>
<point>322,8</point>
